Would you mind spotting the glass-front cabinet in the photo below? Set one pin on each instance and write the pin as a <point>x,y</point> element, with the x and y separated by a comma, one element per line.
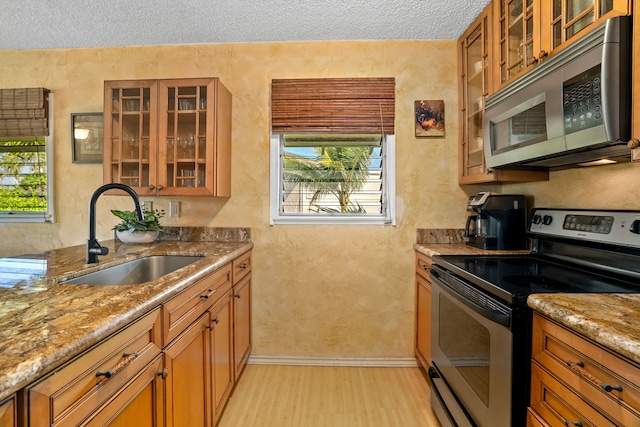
<point>474,86</point>
<point>475,56</point>
<point>529,31</point>
<point>168,137</point>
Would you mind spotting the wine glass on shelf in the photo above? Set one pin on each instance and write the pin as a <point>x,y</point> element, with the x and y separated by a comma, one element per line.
<point>132,148</point>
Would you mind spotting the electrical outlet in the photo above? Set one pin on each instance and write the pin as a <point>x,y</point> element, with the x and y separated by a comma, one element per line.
<point>146,204</point>
<point>174,209</point>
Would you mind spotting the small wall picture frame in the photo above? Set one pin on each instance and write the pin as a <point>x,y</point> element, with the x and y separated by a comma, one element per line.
<point>86,137</point>
<point>429,118</point>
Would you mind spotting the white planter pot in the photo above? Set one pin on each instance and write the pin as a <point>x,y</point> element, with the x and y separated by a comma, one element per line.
<point>137,236</point>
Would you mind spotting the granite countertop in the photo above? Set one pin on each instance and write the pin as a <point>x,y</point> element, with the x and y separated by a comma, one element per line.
<point>612,320</point>
<point>44,323</point>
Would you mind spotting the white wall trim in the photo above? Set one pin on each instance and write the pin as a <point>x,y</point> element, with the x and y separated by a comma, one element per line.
<point>397,362</point>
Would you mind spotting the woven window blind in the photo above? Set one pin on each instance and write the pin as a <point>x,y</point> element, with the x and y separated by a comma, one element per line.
<point>24,112</point>
<point>342,105</point>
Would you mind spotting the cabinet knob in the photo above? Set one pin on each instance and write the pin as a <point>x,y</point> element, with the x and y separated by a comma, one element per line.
<point>237,296</point>
<point>633,143</point>
<point>543,54</point>
<point>215,320</point>
<point>164,373</point>
<point>151,187</point>
<point>573,423</point>
<point>160,188</point>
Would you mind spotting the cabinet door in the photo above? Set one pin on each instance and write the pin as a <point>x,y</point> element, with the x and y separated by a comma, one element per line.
<point>423,321</point>
<point>474,86</point>
<point>242,324</point>
<point>139,404</point>
<point>563,20</point>
<point>188,384</point>
<point>221,328</point>
<point>8,413</point>
<point>517,41</point>
<point>130,109</point>
<point>194,137</point>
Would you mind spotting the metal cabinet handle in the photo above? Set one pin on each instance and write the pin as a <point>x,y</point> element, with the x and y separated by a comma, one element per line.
<point>579,368</point>
<point>164,373</point>
<point>572,423</point>
<point>243,266</point>
<point>206,296</point>
<point>127,359</point>
<point>237,296</point>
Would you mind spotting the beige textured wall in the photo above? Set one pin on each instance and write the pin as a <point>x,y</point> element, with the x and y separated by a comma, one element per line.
<point>322,291</point>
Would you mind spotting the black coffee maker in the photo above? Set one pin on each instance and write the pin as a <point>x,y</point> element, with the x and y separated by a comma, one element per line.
<point>499,221</point>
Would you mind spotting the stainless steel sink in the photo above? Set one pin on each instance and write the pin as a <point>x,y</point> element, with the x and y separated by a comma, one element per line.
<point>136,271</point>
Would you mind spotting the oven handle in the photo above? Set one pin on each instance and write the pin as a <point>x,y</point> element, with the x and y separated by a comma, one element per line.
<point>499,317</point>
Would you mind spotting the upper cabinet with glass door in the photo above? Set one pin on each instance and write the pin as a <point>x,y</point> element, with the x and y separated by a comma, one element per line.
<point>474,59</point>
<point>169,137</point>
<point>529,31</point>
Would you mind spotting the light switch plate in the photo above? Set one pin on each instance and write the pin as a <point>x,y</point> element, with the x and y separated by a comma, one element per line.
<point>174,209</point>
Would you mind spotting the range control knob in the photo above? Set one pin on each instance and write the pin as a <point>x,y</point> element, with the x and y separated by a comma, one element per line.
<point>537,219</point>
<point>546,220</point>
<point>635,226</point>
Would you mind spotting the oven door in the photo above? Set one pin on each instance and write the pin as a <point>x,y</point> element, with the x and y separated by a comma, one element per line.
<point>471,348</point>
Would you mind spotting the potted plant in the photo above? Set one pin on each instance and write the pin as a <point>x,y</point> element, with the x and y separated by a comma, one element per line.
<point>133,230</point>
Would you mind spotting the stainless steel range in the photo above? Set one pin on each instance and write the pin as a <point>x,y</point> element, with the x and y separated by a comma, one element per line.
<point>481,324</point>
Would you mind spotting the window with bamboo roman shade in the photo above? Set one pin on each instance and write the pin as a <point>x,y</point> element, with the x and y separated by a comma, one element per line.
<point>24,112</point>
<point>26,154</point>
<point>337,105</point>
<point>332,151</point>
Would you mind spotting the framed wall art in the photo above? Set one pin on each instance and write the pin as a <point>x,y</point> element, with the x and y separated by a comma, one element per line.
<point>86,137</point>
<point>429,118</point>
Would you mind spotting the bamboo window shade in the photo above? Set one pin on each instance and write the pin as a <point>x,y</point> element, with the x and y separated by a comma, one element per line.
<point>342,105</point>
<point>24,112</point>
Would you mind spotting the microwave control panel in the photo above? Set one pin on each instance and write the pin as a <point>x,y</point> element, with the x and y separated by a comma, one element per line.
<point>582,101</point>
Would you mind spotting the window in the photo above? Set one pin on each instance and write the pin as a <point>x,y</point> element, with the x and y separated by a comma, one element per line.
<point>333,151</point>
<point>26,168</point>
<point>332,178</point>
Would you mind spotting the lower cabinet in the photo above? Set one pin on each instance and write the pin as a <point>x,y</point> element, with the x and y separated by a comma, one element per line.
<point>576,382</point>
<point>242,324</point>
<point>200,368</point>
<point>8,412</point>
<point>423,310</point>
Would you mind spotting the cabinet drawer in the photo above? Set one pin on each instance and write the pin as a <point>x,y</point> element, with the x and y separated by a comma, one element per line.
<point>423,265</point>
<point>186,307</point>
<point>533,419</point>
<point>72,392</point>
<point>590,369</point>
<point>557,404</point>
<point>241,266</point>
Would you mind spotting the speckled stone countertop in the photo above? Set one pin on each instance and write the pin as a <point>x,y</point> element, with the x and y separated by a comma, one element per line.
<point>44,323</point>
<point>451,241</point>
<point>612,320</point>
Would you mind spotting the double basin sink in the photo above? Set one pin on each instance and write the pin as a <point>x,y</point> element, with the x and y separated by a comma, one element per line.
<point>137,271</point>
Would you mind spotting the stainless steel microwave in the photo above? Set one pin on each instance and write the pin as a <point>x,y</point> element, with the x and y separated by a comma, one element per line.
<point>574,108</point>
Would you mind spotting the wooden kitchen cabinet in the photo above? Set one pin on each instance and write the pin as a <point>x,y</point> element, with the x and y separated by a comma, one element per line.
<point>474,66</point>
<point>635,71</point>
<point>9,412</point>
<point>73,393</point>
<point>576,380</point>
<point>241,312</point>
<point>529,31</point>
<point>200,368</point>
<point>423,310</point>
<point>168,137</point>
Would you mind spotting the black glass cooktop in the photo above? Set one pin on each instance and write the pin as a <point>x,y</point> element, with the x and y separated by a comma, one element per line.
<point>513,278</point>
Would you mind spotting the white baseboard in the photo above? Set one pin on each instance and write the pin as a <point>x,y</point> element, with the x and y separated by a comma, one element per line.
<point>399,362</point>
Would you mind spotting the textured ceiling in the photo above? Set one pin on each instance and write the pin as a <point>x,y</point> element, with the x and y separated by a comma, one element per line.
<point>44,24</point>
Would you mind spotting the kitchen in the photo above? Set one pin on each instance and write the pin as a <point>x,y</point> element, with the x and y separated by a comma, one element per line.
<point>379,280</point>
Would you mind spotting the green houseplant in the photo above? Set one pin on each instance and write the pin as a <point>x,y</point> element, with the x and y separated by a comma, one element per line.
<point>133,230</point>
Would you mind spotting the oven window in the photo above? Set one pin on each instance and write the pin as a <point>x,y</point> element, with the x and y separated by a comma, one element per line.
<point>466,344</point>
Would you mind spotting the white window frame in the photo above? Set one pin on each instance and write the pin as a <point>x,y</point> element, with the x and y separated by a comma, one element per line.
<point>48,215</point>
<point>277,217</point>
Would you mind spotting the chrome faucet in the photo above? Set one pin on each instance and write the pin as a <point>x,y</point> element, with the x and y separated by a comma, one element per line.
<point>93,247</point>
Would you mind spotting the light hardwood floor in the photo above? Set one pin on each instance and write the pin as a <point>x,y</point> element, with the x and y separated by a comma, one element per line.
<point>313,396</point>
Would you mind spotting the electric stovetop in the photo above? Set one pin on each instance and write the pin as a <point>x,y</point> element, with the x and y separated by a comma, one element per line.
<point>513,278</point>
